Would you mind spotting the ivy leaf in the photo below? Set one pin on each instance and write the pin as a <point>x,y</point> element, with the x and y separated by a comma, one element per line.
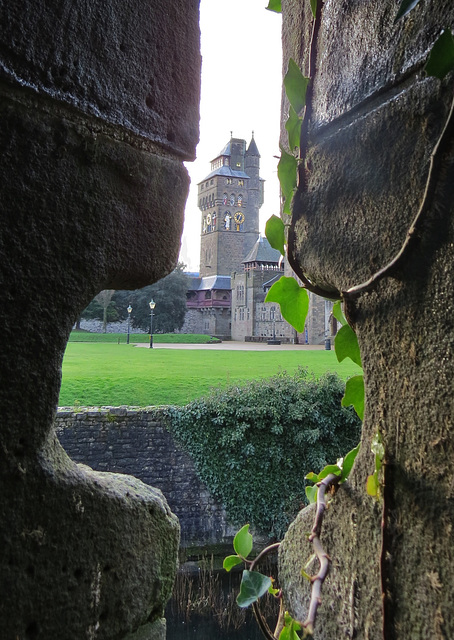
<point>293,126</point>
<point>275,5</point>
<point>231,561</point>
<point>295,86</point>
<point>253,586</point>
<point>441,58</point>
<point>377,446</point>
<point>354,394</point>
<point>286,172</point>
<point>405,7</point>
<point>306,575</point>
<point>314,7</point>
<point>242,542</point>
<point>330,468</point>
<point>372,485</point>
<point>275,233</point>
<point>291,626</point>
<point>311,494</point>
<point>338,313</point>
<point>293,300</point>
<point>348,462</point>
<point>313,477</point>
<point>346,345</point>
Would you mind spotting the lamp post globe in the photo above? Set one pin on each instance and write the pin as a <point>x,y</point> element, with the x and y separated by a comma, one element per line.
<point>129,322</point>
<point>152,304</point>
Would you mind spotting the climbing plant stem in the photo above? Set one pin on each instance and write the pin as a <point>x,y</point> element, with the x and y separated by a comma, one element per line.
<point>312,68</point>
<point>322,556</point>
<point>436,164</point>
<point>304,144</point>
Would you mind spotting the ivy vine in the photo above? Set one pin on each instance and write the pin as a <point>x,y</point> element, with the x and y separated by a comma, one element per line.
<point>294,303</point>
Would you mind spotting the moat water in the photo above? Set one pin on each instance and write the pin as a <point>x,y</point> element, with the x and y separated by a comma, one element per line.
<point>203,607</point>
<point>202,628</point>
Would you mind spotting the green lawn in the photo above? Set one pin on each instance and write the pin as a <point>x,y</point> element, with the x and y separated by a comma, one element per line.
<point>119,338</point>
<point>120,374</point>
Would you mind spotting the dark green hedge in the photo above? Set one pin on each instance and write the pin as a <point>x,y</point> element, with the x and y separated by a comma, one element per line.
<point>253,445</point>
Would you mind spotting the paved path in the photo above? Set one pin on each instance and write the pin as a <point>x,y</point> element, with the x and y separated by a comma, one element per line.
<point>231,345</point>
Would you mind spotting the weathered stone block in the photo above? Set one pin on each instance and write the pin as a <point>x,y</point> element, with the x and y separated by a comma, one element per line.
<point>92,191</point>
<point>128,64</point>
<point>376,120</point>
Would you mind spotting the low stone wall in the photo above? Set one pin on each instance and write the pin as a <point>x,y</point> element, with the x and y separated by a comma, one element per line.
<point>136,442</point>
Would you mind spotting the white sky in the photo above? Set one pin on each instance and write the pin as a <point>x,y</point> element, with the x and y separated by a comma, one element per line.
<point>241,92</point>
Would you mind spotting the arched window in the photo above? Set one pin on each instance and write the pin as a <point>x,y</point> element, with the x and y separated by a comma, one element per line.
<point>232,200</point>
<point>224,198</point>
<point>213,221</point>
<point>240,200</point>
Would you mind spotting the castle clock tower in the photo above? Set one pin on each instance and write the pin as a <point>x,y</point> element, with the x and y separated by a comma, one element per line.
<point>230,198</point>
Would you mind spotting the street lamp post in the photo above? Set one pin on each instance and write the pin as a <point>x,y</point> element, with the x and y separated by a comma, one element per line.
<point>129,322</point>
<point>152,304</point>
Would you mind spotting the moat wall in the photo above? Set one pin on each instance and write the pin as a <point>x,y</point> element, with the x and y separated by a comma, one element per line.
<point>136,442</point>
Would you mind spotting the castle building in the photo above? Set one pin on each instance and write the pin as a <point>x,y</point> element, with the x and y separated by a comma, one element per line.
<point>253,319</point>
<point>229,199</point>
<point>237,265</point>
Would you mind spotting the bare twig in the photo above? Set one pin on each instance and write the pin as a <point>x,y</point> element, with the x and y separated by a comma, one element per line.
<point>262,623</point>
<point>436,163</point>
<point>322,556</point>
<point>264,552</point>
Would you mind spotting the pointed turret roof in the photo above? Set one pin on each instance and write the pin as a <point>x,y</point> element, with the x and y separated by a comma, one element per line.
<point>252,150</point>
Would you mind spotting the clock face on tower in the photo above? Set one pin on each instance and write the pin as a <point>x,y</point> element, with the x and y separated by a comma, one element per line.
<point>239,217</point>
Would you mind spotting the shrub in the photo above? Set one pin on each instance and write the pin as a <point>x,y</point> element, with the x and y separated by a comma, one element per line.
<point>252,445</point>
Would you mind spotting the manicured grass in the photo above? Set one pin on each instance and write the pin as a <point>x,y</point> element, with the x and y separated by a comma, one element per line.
<point>112,374</point>
<point>120,338</point>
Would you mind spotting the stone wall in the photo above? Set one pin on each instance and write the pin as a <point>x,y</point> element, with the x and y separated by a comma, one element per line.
<point>136,442</point>
<point>94,132</point>
<point>375,121</point>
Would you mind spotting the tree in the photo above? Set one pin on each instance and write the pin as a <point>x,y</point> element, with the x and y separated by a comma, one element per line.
<point>104,298</point>
<point>169,294</point>
<point>373,124</point>
<point>101,308</point>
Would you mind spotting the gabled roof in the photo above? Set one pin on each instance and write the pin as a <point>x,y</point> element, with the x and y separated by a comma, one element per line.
<point>262,251</point>
<point>209,283</point>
